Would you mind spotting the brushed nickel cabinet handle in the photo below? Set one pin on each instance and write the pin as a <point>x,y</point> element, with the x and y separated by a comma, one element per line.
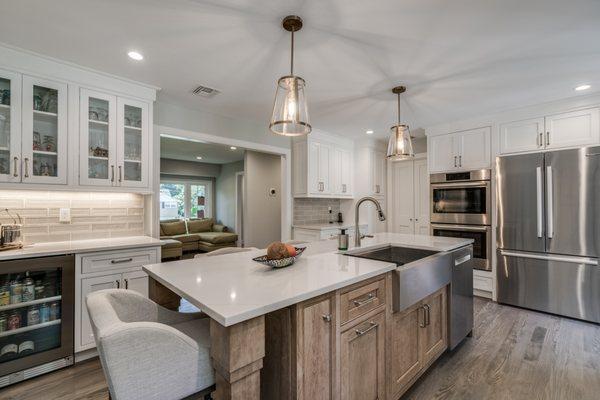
<point>372,325</point>
<point>460,161</point>
<point>370,297</point>
<point>118,284</point>
<point>126,283</point>
<point>541,139</point>
<point>120,175</point>
<point>548,138</point>
<point>327,317</point>
<point>455,162</point>
<point>422,324</point>
<point>121,261</point>
<point>16,166</point>
<point>26,167</point>
<point>112,173</point>
<point>427,314</point>
<point>343,188</point>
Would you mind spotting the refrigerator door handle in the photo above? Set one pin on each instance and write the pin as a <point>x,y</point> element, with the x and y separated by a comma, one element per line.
<point>549,202</point>
<point>538,174</point>
<point>551,257</point>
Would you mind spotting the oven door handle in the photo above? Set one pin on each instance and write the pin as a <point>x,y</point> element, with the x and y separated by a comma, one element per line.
<point>461,228</point>
<point>481,184</point>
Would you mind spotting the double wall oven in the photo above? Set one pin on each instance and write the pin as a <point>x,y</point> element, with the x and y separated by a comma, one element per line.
<point>461,207</point>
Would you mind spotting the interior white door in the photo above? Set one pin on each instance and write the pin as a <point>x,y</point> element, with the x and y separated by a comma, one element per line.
<point>402,197</point>
<point>85,339</point>
<point>421,196</point>
<point>573,128</point>
<point>474,150</point>
<point>44,138</point>
<point>441,153</point>
<point>526,135</point>
<point>10,127</point>
<point>136,281</point>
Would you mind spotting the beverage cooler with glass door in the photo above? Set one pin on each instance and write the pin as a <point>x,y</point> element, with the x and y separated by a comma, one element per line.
<point>36,316</point>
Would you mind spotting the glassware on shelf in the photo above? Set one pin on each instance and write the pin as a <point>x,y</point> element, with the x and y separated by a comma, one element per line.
<point>28,290</point>
<point>4,294</point>
<point>33,315</point>
<point>44,313</point>
<point>16,292</point>
<point>54,310</point>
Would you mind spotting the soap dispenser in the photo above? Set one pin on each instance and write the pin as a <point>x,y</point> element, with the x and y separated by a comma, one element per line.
<point>343,240</point>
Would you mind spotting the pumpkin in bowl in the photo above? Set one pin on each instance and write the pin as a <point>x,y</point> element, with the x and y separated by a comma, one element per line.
<point>277,251</point>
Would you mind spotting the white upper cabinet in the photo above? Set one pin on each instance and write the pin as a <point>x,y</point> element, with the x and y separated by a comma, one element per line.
<point>44,140</point>
<point>114,141</point>
<point>321,167</point>
<point>570,129</point>
<point>378,170</point>
<point>466,150</point>
<point>10,126</point>
<point>526,135</point>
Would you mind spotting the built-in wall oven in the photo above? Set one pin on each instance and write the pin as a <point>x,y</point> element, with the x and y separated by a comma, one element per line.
<point>461,207</point>
<point>461,198</point>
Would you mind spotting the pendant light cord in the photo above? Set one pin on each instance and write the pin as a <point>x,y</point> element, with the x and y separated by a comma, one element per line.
<point>292,56</point>
<point>398,108</point>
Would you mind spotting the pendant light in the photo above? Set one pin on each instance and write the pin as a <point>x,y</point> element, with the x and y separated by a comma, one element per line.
<point>290,113</point>
<point>400,144</point>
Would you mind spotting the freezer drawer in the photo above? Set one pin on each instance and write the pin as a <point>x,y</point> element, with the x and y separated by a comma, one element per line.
<point>563,285</point>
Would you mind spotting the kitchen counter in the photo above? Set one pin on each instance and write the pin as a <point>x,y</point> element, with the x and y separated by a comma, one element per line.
<point>326,226</point>
<point>232,288</point>
<point>78,246</point>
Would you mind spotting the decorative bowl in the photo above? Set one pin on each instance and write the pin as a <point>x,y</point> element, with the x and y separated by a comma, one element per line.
<point>282,262</point>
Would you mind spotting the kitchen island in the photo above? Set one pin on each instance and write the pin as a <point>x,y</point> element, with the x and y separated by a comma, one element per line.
<point>301,323</point>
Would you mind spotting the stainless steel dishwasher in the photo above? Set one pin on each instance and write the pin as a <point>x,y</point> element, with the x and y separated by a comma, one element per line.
<point>461,297</point>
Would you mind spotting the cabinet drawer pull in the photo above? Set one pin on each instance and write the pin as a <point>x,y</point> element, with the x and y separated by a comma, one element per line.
<point>120,175</point>
<point>121,261</point>
<point>541,139</point>
<point>370,297</point>
<point>327,317</point>
<point>427,314</point>
<point>112,173</point>
<point>460,161</point>
<point>118,284</point>
<point>15,160</point>
<point>455,162</point>
<point>548,138</point>
<point>126,283</point>
<point>372,325</point>
<point>26,167</point>
<point>343,188</point>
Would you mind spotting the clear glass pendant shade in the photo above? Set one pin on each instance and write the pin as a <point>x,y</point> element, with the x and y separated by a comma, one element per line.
<point>290,112</point>
<point>400,144</point>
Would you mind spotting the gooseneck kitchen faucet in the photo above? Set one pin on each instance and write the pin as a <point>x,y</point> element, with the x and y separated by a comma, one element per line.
<point>357,235</point>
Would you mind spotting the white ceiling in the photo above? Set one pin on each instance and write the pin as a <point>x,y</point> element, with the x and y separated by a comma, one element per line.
<point>459,58</point>
<point>178,149</point>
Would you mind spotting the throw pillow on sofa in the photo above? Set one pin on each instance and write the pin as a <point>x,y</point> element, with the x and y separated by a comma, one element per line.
<point>200,225</point>
<point>172,228</point>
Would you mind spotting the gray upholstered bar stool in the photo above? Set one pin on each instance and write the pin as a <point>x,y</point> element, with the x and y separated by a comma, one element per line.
<point>148,352</point>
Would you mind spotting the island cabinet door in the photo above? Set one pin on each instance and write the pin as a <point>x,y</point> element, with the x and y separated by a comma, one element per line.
<point>362,360</point>
<point>434,339</point>
<point>315,341</point>
<point>404,354</point>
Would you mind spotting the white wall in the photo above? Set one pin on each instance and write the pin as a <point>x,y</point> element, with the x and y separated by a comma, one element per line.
<point>262,212</point>
<point>225,189</point>
<point>175,116</point>
<point>189,168</point>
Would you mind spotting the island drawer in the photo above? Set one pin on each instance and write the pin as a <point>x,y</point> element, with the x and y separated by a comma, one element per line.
<point>359,300</point>
<point>104,261</point>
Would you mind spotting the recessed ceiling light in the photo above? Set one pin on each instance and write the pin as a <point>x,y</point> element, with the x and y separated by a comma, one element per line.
<point>233,148</point>
<point>582,87</point>
<point>134,55</point>
<point>369,132</point>
<point>199,158</point>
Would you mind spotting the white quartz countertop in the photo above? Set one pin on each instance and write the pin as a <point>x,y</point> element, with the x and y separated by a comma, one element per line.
<point>78,246</point>
<point>232,288</point>
<point>325,226</point>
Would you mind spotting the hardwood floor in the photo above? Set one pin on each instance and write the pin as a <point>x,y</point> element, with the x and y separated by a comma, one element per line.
<point>517,354</point>
<point>514,354</point>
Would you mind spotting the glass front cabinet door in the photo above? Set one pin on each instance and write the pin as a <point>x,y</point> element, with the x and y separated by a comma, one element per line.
<point>132,133</point>
<point>98,147</point>
<point>10,126</point>
<point>44,136</point>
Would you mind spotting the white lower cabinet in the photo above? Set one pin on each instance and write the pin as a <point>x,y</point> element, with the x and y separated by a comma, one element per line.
<point>111,270</point>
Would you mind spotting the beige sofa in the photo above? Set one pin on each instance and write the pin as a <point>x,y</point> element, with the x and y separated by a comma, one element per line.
<point>198,234</point>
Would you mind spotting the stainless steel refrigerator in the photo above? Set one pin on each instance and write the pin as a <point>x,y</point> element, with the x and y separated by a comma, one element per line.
<point>548,232</point>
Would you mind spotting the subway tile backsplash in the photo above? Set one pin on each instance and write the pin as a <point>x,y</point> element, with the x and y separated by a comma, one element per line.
<point>93,215</point>
<point>314,211</point>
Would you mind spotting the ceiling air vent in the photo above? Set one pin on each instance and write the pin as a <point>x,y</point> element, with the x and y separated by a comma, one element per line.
<point>205,91</point>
